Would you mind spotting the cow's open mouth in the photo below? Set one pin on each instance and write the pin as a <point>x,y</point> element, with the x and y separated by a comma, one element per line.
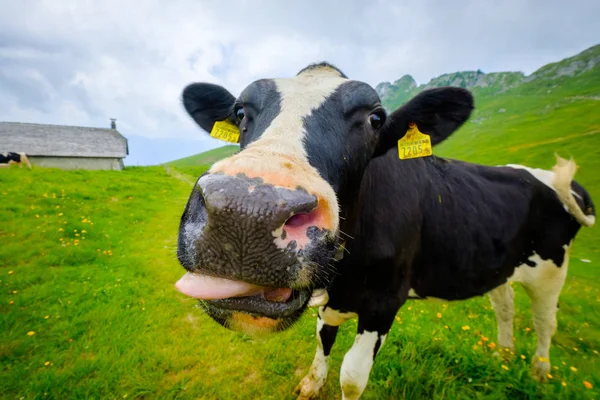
<point>232,295</point>
<point>260,305</point>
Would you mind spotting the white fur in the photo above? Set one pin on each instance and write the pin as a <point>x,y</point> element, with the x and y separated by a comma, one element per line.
<point>357,364</point>
<point>333,317</point>
<point>310,385</point>
<point>278,157</point>
<point>559,180</point>
<point>543,284</point>
<point>502,299</point>
<point>319,297</point>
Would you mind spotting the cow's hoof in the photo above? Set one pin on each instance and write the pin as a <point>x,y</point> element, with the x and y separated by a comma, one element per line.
<point>540,368</point>
<point>308,388</point>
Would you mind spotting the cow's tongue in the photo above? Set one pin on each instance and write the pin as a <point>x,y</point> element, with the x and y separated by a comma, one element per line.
<point>211,288</point>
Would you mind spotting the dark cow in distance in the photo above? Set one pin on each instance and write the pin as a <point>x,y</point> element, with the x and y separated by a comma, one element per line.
<point>12,158</point>
<point>318,209</point>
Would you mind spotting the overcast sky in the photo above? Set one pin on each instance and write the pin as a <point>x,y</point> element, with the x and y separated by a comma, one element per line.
<point>82,62</point>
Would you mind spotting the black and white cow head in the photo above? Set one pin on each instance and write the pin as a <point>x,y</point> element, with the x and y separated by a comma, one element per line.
<point>260,229</point>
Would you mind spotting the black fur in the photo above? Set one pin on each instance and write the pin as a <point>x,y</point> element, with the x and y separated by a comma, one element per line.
<point>5,158</point>
<point>207,103</point>
<point>437,112</point>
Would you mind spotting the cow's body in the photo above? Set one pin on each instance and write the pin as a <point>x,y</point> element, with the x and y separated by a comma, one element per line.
<point>12,158</point>
<point>424,227</point>
<point>461,230</point>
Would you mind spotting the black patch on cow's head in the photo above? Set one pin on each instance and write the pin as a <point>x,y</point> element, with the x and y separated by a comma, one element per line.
<point>261,103</point>
<point>340,151</point>
<point>322,65</point>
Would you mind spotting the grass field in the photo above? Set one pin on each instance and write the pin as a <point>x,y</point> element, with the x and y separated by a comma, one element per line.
<point>88,308</point>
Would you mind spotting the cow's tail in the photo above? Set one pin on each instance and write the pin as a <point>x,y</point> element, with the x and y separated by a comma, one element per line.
<point>564,171</point>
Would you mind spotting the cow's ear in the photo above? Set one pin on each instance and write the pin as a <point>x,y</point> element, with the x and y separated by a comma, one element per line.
<point>436,112</point>
<point>208,103</point>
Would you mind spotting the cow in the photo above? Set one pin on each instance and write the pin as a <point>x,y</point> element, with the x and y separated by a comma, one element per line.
<point>318,209</point>
<point>11,158</point>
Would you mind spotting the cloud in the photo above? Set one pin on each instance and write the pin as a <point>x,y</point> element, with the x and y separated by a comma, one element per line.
<point>79,62</point>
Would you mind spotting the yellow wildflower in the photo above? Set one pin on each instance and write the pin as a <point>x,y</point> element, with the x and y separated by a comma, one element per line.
<point>11,272</point>
<point>439,315</point>
<point>505,367</point>
<point>47,363</point>
<point>563,383</point>
<point>573,369</point>
<point>492,345</point>
<point>587,385</point>
<point>30,333</point>
<point>60,214</point>
<point>466,328</point>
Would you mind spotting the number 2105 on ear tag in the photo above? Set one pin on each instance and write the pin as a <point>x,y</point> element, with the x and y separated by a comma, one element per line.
<point>414,144</point>
<point>225,130</point>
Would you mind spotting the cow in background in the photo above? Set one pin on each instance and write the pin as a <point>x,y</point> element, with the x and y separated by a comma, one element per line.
<point>11,158</point>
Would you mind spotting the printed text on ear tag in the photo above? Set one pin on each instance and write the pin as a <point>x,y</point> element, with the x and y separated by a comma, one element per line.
<point>414,144</point>
<point>225,130</point>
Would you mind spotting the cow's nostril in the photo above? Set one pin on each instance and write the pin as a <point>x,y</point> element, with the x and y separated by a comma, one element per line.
<point>298,220</point>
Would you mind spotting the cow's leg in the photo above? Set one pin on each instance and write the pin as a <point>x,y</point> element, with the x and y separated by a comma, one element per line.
<point>327,328</point>
<point>543,287</point>
<point>356,367</point>
<point>502,299</point>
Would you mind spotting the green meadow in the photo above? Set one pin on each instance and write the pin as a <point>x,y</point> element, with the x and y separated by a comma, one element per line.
<point>88,308</point>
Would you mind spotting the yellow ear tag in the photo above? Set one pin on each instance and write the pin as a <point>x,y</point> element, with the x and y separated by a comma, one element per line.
<point>414,144</point>
<point>225,130</point>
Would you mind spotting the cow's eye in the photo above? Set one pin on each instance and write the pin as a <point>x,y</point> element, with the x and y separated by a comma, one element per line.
<point>376,119</point>
<point>239,113</point>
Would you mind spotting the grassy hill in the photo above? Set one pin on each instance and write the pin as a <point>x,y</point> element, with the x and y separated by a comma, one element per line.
<point>197,163</point>
<point>87,267</point>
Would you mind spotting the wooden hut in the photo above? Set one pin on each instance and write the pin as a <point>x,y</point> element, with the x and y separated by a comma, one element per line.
<point>66,147</point>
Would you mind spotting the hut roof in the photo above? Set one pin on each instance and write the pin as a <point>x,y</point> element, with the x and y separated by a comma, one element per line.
<point>62,141</point>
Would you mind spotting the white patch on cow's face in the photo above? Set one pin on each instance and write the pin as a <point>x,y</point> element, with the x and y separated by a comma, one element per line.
<point>357,364</point>
<point>279,157</point>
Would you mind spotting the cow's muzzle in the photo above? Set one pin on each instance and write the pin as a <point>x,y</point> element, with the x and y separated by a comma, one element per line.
<point>253,248</point>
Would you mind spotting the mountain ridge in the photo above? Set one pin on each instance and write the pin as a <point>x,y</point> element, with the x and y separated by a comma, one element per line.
<point>395,94</point>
